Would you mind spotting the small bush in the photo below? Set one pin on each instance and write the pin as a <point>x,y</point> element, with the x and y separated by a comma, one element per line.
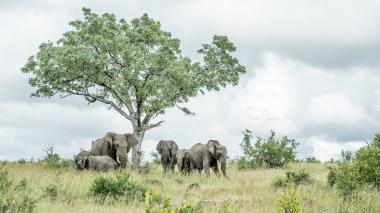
<point>50,192</point>
<point>21,161</point>
<point>244,163</point>
<point>53,160</point>
<point>312,160</point>
<point>354,173</point>
<point>289,202</point>
<point>293,178</point>
<point>5,182</point>
<point>157,204</point>
<point>156,157</point>
<point>270,152</point>
<point>14,204</point>
<point>14,199</point>
<point>120,188</point>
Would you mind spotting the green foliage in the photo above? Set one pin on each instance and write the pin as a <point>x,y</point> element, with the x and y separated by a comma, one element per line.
<point>21,161</point>
<point>293,178</point>
<point>312,160</point>
<point>134,67</point>
<point>14,199</point>
<point>5,182</point>
<point>155,203</point>
<point>363,170</point>
<point>53,160</point>
<point>121,188</point>
<point>50,192</point>
<point>332,176</point>
<point>156,157</point>
<point>290,202</point>
<point>270,152</point>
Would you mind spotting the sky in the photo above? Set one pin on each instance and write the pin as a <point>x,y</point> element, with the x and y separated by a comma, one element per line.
<point>312,74</point>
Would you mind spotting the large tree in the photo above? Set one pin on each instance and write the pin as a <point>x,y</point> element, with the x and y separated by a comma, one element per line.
<point>133,67</point>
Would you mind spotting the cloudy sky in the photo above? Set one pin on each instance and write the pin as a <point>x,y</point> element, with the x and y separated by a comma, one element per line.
<point>313,74</point>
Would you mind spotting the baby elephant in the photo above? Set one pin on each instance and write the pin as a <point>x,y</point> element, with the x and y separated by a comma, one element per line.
<point>98,163</point>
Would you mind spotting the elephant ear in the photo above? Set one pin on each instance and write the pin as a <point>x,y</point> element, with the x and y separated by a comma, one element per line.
<point>131,141</point>
<point>159,146</point>
<point>174,148</point>
<point>211,146</point>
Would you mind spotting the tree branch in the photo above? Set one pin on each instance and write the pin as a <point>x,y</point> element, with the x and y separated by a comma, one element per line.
<point>151,126</point>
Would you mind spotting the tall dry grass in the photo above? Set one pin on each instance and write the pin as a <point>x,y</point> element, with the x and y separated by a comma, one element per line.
<point>244,191</point>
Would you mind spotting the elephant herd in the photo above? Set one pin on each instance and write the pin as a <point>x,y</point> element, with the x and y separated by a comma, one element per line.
<point>111,152</point>
<point>198,157</point>
<point>107,153</point>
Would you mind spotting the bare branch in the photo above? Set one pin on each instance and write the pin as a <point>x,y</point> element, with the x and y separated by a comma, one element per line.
<point>151,126</point>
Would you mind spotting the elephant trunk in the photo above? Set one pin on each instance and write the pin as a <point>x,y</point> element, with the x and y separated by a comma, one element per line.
<point>223,160</point>
<point>122,157</point>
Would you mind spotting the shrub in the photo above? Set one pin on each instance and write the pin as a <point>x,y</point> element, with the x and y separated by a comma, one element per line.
<point>53,160</point>
<point>363,170</point>
<point>289,202</point>
<point>312,160</point>
<point>156,157</point>
<point>245,163</point>
<point>5,182</point>
<point>120,188</point>
<point>155,203</point>
<point>51,192</point>
<point>293,178</point>
<point>270,152</point>
<point>14,199</point>
<point>21,161</point>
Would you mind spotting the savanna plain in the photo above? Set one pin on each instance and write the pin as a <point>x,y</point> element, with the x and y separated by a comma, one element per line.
<point>243,191</point>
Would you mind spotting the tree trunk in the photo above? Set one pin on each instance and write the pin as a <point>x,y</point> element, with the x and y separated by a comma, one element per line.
<point>136,151</point>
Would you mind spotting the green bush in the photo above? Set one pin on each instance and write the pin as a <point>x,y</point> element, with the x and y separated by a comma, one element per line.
<point>289,202</point>
<point>53,160</point>
<point>14,198</point>
<point>363,170</point>
<point>245,163</point>
<point>50,192</point>
<point>312,160</point>
<point>293,178</point>
<point>156,157</point>
<point>5,182</point>
<point>270,152</point>
<point>155,203</point>
<point>119,188</point>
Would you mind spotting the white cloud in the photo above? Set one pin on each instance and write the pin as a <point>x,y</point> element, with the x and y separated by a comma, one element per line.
<point>325,149</point>
<point>336,109</point>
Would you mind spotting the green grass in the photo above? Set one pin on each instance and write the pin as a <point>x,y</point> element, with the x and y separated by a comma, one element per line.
<point>245,191</point>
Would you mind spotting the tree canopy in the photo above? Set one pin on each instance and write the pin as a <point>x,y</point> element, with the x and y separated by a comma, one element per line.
<point>134,67</point>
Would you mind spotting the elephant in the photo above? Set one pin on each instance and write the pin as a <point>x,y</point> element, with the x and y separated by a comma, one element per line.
<point>183,161</point>
<point>79,157</point>
<point>98,163</point>
<point>204,156</point>
<point>114,145</point>
<point>168,150</point>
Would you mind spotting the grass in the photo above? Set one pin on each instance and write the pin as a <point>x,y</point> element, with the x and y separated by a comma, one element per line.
<point>245,191</point>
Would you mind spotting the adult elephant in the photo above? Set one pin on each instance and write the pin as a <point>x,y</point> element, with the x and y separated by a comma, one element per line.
<point>183,161</point>
<point>168,150</point>
<point>114,145</point>
<point>204,156</point>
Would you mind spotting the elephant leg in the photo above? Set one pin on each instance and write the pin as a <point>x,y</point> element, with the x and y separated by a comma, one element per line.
<point>214,166</point>
<point>206,166</point>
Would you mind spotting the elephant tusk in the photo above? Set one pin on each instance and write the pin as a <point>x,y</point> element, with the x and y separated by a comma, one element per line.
<point>118,160</point>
